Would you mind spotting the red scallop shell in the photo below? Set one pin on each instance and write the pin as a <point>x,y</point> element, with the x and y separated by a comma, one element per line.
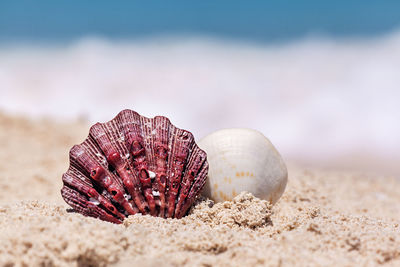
<point>133,164</point>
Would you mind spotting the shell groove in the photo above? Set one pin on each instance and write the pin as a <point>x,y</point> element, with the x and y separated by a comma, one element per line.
<point>133,164</point>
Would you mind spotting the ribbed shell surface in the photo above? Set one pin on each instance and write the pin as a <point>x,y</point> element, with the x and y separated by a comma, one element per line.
<point>133,164</point>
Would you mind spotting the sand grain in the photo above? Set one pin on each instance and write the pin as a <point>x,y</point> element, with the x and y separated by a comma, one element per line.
<point>323,218</point>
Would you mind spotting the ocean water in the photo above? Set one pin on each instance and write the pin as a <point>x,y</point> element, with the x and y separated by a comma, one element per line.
<point>317,99</point>
<point>259,21</point>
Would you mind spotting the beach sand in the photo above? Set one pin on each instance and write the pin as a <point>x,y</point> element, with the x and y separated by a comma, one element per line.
<point>324,218</point>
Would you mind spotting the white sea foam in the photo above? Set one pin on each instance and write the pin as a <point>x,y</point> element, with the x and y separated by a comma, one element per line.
<point>312,98</point>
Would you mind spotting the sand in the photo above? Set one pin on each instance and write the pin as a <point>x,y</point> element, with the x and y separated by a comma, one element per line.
<point>324,218</point>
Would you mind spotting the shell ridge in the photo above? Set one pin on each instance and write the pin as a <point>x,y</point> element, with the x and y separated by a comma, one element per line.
<point>184,182</point>
<point>106,136</point>
<point>150,150</point>
<point>134,164</point>
<point>161,152</point>
<point>73,171</point>
<point>171,146</point>
<point>179,157</point>
<point>100,174</point>
<point>193,168</point>
<point>81,205</point>
<point>125,120</point>
<point>200,169</point>
<point>90,194</point>
<point>195,189</point>
<point>147,161</point>
<point>134,143</point>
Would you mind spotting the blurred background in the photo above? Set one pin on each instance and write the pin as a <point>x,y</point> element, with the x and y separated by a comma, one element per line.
<point>321,79</point>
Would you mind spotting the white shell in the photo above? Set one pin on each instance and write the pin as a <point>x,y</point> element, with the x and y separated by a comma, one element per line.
<point>243,160</point>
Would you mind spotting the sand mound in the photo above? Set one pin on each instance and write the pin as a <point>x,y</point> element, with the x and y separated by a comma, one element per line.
<point>323,218</point>
<point>242,232</point>
<point>37,233</point>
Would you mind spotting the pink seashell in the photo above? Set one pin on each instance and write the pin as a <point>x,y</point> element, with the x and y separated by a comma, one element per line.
<point>133,164</point>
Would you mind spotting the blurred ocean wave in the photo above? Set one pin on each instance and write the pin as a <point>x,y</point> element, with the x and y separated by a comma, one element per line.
<point>316,99</point>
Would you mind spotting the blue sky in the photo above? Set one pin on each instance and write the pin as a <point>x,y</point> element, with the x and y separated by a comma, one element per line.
<point>252,20</point>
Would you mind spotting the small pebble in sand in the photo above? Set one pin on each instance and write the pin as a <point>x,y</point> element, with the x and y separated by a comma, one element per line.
<point>243,160</point>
